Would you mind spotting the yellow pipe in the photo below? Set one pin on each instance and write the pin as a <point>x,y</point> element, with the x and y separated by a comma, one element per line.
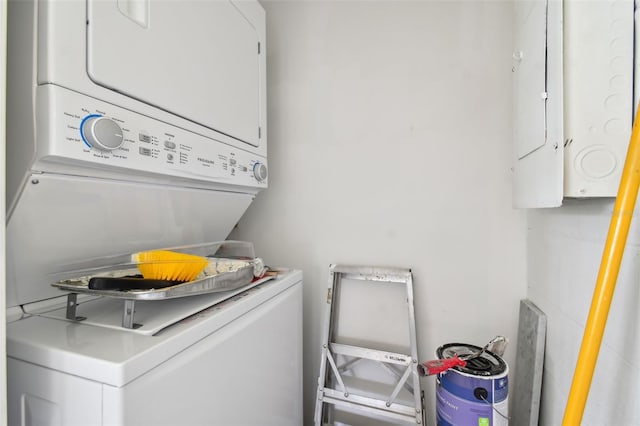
<point>606,283</point>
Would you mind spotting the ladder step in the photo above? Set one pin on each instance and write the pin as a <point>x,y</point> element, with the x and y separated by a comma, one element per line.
<point>372,354</point>
<point>372,408</point>
<point>369,273</point>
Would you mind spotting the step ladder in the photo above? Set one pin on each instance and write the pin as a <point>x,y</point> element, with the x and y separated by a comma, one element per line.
<point>401,400</point>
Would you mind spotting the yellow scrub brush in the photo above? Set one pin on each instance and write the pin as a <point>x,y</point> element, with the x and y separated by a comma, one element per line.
<point>169,265</point>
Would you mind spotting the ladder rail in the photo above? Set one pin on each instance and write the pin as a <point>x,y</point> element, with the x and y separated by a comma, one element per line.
<point>414,342</point>
<point>322,376</point>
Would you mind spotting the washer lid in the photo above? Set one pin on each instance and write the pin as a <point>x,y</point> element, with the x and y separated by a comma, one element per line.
<point>200,60</point>
<point>62,220</point>
<point>487,364</point>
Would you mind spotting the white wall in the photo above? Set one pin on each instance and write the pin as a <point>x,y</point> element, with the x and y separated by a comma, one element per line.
<point>564,251</point>
<point>389,144</point>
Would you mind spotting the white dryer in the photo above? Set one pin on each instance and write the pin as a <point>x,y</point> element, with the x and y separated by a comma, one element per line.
<point>134,125</point>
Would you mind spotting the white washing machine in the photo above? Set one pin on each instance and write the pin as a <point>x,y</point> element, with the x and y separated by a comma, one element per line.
<point>135,125</point>
<point>237,362</point>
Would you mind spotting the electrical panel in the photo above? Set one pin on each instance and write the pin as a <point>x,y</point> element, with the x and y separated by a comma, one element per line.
<point>573,71</point>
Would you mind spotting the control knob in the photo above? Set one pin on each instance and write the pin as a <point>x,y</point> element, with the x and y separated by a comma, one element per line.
<point>102,133</point>
<point>260,172</point>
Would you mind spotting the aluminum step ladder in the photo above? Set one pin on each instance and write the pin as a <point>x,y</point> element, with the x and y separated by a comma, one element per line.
<point>338,388</point>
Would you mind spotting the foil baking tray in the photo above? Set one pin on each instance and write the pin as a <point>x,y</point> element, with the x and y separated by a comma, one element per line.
<point>238,273</point>
<point>229,267</point>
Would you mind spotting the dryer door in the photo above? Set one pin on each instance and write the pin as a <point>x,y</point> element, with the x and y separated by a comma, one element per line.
<point>200,60</point>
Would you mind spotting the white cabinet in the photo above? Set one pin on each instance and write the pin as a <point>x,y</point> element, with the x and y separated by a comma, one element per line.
<point>573,67</point>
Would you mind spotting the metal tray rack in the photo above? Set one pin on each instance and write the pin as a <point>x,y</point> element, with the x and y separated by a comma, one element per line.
<point>219,282</point>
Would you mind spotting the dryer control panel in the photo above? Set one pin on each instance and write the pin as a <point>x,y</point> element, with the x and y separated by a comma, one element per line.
<point>102,135</point>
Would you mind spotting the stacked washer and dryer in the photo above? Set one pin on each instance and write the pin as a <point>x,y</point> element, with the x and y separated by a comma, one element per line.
<point>134,125</point>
